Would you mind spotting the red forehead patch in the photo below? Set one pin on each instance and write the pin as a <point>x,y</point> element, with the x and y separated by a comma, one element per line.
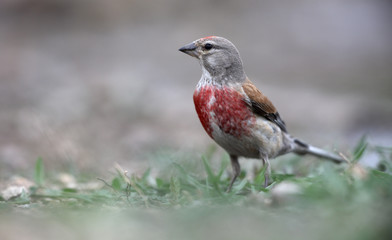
<point>209,37</point>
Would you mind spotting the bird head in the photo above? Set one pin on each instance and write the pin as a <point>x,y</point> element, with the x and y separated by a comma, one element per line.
<point>218,56</point>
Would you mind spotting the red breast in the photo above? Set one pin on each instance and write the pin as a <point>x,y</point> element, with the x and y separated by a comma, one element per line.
<point>223,107</point>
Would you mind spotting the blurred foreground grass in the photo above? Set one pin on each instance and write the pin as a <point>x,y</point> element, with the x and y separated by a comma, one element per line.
<point>319,200</point>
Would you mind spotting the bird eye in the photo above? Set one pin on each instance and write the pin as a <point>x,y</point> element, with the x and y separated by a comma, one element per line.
<point>208,46</point>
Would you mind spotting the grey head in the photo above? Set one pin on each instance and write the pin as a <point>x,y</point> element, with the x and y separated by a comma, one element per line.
<point>218,57</point>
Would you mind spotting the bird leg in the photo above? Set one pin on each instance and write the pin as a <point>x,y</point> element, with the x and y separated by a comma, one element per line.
<point>236,170</point>
<point>267,172</point>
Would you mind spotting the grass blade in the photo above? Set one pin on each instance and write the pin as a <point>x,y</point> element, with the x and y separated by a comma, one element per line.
<point>360,149</point>
<point>39,173</point>
<point>175,189</point>
<point>116,184</point>
<point>214,180</point>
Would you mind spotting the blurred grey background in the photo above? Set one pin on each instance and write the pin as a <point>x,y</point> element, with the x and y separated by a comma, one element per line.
<point>89,83</point>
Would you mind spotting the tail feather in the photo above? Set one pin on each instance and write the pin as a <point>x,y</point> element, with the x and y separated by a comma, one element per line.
<point>304,148</point>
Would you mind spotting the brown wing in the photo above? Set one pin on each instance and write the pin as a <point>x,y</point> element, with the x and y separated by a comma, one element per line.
<point>261,105</point>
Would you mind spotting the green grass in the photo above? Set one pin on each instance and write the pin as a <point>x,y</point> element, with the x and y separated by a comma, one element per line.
<point>309,199</point>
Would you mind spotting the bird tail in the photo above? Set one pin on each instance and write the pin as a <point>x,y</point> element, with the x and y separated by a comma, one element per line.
<point>304,148</point>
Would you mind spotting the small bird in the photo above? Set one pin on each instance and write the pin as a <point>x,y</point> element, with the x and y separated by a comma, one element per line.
<point>237,115</point>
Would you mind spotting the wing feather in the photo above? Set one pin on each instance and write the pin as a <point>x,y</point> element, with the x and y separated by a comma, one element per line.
<point>261,105</point>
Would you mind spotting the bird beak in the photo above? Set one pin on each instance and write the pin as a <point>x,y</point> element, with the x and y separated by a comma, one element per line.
<point>190,49</point>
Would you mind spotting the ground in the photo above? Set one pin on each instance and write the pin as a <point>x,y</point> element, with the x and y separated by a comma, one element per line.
<point>308,199</point>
